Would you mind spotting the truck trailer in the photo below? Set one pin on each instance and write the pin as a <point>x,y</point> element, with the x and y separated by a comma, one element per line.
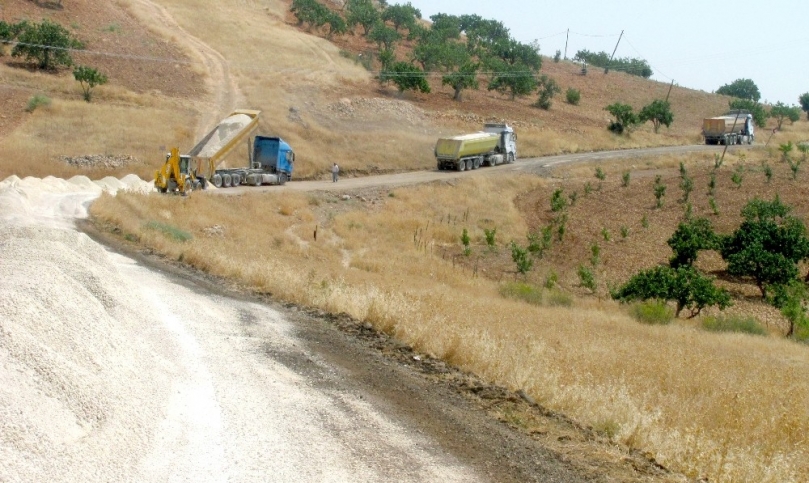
<point>734,127</point>
<point>271,159</point>
<point>496,144</point>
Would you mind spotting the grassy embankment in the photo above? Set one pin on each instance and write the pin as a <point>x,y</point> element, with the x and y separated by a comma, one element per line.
<point>731,407</point>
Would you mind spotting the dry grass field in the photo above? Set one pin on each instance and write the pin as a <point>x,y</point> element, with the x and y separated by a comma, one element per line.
<point>727,407</point>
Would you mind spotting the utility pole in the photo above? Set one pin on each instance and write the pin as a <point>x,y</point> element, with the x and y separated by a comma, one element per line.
<point>607,68</point>
<point>667,95</point>
<point>566,39</point>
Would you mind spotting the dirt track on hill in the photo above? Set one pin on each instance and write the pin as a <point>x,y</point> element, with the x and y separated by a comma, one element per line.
<point>223,93</point>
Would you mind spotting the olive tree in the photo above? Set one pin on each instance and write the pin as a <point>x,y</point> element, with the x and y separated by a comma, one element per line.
<point>659,112</point>
<point>767,246</point>
<point>688,288</point>
<point>741,88</point>
<point>781,112</point>
<point>406,76</point>
<point>804,101</point>
<point>46,43</point>
<point>89,78</point>
<point>625,117</point>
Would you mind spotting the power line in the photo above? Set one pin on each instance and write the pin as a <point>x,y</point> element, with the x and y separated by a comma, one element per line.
<point>644,59</point>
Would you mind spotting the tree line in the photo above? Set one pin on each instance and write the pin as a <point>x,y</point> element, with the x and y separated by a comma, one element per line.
<point>460,48</point>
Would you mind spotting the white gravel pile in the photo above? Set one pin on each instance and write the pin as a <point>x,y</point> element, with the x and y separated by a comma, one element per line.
<point>29,200</point>
<point>76,380</point>
<point>76,376</point>
<point>110,371</point>
<point>223,134</point>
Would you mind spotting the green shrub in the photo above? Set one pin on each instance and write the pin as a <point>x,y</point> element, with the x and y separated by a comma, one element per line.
<point>558,201</point>
<point>520,257</point>
<point>652,312</point>
<point>659,190</point>
<point>535,295</point>
<point>684,285</point>
<point>522,291</point>
<point>586,278</point>
<point>168,230</point>
<point>37,100</point>
<point>733,323</point>
<point>551,280</point>
<point>573,96</point>
<point>625,179</point>
<point>558,298</point>
<point>595,254</point>
<point>767,172</point>
<point>490,241</point>
<point>738,176</point>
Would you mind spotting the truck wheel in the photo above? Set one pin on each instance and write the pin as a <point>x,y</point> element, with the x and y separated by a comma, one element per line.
<point>510,158</point>
<point>461,165</point>
<point>257,180</point>
<point>476,164</point>
<point>282,178</point>
<point>217,180</point>
<point>227,181</point>
<point>469,164</point>
<point>235,179</point>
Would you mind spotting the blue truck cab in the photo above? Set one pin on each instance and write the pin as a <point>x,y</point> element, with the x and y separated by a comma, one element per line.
<point>273,155</point>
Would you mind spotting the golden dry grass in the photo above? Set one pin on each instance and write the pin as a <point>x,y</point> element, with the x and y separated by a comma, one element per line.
<point>726,407</point>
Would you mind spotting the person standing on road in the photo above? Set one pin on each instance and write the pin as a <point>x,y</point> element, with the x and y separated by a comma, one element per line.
<point>334,171</point>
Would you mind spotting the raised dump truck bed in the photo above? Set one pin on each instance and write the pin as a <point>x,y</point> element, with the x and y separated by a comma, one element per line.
<point>495,145</point>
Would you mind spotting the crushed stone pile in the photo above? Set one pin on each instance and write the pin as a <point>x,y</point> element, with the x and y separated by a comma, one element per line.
<point>363,107</point>
<point>108,161</point>
<point>76,377</point>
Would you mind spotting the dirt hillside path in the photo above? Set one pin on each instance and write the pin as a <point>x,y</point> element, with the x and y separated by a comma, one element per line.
<point>223,93</point>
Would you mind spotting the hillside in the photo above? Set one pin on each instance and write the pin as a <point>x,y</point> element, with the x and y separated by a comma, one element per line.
<point>166,88</point>
<point>711,406</point>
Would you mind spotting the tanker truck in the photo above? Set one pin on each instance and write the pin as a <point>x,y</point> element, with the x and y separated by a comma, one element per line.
<point>734,127</point>
<point>496,144</point>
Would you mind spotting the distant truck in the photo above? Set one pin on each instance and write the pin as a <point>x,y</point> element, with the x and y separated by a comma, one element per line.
<point>271,159</point>
<point>496,144</point>
<point>735,127</point>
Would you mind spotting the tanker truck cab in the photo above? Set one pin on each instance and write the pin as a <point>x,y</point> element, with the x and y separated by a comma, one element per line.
<point>507,145</point>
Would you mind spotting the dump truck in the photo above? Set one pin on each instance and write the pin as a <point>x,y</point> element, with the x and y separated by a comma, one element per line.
<point>496,144</point>
<point>734,127</point>
<point>271,159</point>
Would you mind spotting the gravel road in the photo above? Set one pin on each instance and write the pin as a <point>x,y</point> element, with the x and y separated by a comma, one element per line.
<point>524,165</point>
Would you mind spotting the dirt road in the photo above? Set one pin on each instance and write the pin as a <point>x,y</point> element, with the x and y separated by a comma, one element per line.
<point>523,165</point>
<point>115,369</point>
